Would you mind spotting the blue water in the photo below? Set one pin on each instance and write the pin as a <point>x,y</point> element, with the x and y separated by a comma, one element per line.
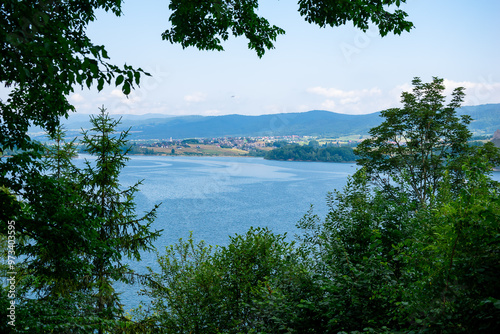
<point>215,197</point>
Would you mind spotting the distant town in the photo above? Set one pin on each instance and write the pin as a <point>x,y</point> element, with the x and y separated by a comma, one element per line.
<point>233,146</point>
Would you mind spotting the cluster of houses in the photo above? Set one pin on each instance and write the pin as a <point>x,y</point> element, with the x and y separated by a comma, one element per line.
<point>243,143</point>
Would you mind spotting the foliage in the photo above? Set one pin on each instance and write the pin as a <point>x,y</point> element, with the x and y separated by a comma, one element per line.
<point>278,143</point>
<point>119,233</point>
<point>53,210</point>
<point>44,53</point>
<point>137,149</point>
<point>311,153</point>
<point>74,228</point>
<point>458,254</point>
<point>360,13</point>
<point>210,23</point>
<point>190,141</point>
<point>416,143</point>
<point>388,265</point>
<point>356,255</point>
<point>224,290</point>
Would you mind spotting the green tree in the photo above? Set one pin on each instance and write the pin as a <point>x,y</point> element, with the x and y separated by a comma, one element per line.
<point>355,256</point>
<point>120,233</point>
<point>54,232</point>
<point>44,53</point>
<point>456,251</point>
<point>51,202</point>
<point>250,285</point>
<point>415,144</point>
<point>385,259</point>
<point>75,235</point>
<point>313,144</point>
<point>210,22</point>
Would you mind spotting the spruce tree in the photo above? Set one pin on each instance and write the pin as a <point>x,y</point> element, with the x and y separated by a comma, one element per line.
<point>120,233</point>
<point>76,229</point>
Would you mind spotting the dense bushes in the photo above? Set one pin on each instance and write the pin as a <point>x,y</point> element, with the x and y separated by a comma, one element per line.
<point>232,289</point>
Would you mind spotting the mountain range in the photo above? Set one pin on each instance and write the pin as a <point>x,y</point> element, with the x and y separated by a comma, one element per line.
<point>486,120</point>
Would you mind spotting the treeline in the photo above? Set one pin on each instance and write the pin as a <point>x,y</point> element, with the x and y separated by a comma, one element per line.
<point>298,152</point>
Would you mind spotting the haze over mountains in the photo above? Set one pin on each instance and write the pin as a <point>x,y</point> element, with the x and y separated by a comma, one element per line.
<point>486,120</point>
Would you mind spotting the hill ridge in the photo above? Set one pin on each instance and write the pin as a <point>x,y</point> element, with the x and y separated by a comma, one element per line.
<point>311,123</point>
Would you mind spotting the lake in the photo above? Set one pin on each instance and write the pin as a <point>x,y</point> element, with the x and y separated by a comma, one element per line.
<point>215,197</point>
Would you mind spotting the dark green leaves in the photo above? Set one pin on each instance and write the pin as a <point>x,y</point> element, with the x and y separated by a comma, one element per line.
<point>244,287</point>
<point>126,88</point>
<point>360,13</point>
<point>206,24</point>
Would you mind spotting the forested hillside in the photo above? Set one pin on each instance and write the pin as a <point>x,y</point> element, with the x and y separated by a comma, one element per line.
<point>486,119</point>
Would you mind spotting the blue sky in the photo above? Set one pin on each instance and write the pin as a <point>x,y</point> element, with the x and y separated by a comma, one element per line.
<point>338,69</point>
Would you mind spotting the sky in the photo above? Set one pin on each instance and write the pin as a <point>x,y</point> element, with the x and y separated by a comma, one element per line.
<point>340,69</point>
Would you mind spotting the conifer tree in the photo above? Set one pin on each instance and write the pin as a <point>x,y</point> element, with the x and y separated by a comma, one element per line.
<point>120,233</point>
<point>78,234</point>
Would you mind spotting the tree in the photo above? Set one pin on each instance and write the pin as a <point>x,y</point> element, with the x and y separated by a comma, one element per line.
<point>455,250</point>
<point>75,232</point>
<point>388,261</point>
<point>415,144</point>
<point>54,232</point>
<point>120,233</point>
<point>52,202</point>
<point>44,53</point>
<point>355,256</point>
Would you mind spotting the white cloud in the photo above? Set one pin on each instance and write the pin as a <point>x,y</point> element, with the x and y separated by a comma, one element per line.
<point>481,92</point>
<point>117,93</point>
<point>364,101</point>
<point>195,97</point>
<point>348,101</point>
<point>76,98</point>
<point>348,96</point>
<point>344,96</point>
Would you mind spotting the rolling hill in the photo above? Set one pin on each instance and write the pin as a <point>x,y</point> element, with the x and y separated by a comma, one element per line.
<point>312,123</point>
